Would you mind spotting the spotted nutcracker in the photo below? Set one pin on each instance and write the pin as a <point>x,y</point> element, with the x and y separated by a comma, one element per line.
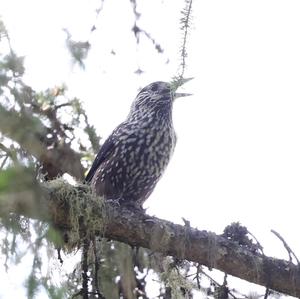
<point>135,155</point>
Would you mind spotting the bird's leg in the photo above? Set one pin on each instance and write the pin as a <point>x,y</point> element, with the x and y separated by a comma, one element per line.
<point>131,205</point>
<point>113,201</point>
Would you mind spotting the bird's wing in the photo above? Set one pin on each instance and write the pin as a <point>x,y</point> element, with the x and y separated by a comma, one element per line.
<point>105,150</point>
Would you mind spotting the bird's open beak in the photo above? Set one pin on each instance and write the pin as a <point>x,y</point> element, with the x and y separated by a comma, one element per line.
<point>184,80</point>
<point>180,94</point>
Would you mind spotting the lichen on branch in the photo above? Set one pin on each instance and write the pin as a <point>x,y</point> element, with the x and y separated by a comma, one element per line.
<point>76,211</point>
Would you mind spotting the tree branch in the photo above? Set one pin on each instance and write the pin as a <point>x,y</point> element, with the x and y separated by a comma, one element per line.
<point>30,133</point>
<point>67,207</point>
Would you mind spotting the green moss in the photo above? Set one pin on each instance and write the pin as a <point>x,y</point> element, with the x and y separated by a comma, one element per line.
<point>173,279</point>
<point>84,210</point>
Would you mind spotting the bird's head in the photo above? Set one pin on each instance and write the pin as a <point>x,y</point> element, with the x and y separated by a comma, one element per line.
<point>157,96</point>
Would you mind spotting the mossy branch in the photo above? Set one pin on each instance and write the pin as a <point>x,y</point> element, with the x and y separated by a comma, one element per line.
<point>71,208</point>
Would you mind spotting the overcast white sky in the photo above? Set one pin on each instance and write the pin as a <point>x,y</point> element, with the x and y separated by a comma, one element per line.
<point>238,149</point>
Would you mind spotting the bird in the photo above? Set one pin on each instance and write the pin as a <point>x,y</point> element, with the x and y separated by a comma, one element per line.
<point>133,158</point>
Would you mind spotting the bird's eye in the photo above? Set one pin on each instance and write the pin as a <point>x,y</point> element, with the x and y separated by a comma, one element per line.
<point>154,87</point>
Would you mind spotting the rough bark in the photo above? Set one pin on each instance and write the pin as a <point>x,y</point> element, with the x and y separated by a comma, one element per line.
<point>55,203</point>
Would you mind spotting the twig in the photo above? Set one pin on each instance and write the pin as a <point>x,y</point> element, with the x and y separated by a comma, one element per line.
<point>214,281</point>
<point>98,10</point>
<point>186,24</point>
<point>287,247</point>
<point>9,153</point>
<point>84,265</point>
<point>267,293</point>
<point>59,255</point>
<point>91,132</point>
<point>3,162</point>
<point>137,32</point>
<point>197,276</point>
<point>257,242</point>
<point>6,35</point>
<point>97,268</point>
<point>56,107</point>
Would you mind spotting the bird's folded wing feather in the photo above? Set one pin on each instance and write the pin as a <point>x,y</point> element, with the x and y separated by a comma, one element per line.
<point>105,150</point>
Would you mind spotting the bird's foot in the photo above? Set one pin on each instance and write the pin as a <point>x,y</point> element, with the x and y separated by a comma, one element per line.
<point>130,205</point>
<point>114,202</point>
